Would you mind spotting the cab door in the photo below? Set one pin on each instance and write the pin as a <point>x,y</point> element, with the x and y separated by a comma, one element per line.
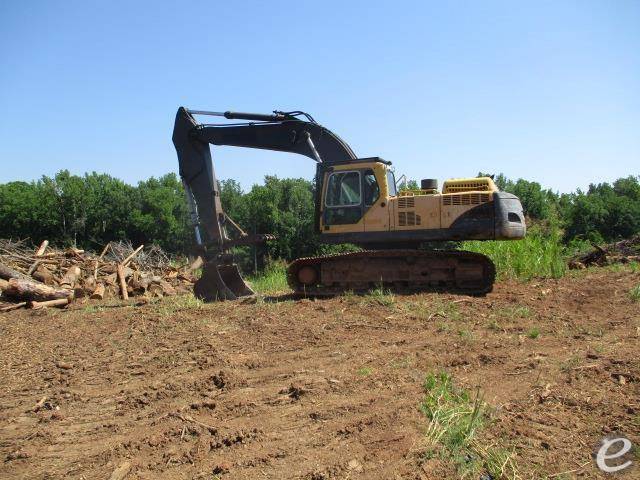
<point>343,202</point>
<point>376,210</point>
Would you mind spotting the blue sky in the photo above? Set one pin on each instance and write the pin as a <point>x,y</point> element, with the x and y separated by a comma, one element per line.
<point>548,91</point>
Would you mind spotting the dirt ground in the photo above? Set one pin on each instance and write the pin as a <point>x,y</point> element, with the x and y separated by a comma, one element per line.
<point>324,389</point>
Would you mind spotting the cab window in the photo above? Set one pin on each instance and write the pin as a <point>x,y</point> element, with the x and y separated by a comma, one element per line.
<point>391,183</point>
<point>343,189</point>
<point>371,188</point>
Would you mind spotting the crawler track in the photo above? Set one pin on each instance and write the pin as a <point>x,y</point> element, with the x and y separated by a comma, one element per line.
<point>398,270</point>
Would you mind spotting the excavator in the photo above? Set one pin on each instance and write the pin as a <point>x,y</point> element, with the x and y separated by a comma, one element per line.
<point>357,201</point>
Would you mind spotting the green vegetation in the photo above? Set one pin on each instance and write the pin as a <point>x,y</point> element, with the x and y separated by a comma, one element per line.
<point>539,254</point>
<point>455,420</point>
<point>381,296</point>
<point>533,333</point>
<point>91,210</point>
<point>273,279</point>
<point>170,305</point>
<point>515,311</point>
<point>635,293</point>
<point>88,211</point>
<point>365,371</point>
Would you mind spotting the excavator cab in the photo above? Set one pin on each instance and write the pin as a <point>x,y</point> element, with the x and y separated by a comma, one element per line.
<point>354,196</point>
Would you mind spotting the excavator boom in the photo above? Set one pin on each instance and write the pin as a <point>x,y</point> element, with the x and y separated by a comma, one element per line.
<point>281,131</point>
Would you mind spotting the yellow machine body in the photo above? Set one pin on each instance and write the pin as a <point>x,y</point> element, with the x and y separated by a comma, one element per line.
<point>367,190</point>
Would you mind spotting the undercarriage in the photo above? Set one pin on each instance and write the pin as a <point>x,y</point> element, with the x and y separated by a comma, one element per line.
<point>401,271</point>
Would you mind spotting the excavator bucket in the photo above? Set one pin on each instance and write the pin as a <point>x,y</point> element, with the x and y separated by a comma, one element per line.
<point>221,282</point>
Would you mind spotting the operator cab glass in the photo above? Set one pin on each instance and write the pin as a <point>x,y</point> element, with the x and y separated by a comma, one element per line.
<point>343,204</point>
<point>349,194</point>
<point>391,183</point>
<point>371,188</point>
<point>343,189</point>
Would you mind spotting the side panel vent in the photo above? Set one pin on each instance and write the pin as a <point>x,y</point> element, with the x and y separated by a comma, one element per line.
<point>465,199</point>
<point>406,202</point>
<point>408,219</point>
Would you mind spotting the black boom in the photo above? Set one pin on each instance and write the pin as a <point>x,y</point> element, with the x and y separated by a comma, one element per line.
<point>280,131</point>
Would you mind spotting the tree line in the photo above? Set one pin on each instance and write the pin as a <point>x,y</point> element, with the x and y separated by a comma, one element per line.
<point>89,211</point>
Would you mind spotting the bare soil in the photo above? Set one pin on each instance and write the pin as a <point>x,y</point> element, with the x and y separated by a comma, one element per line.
<point>324,389</point>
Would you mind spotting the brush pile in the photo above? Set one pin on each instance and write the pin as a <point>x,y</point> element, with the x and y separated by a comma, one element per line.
<point>45,277</point>
<point>624,251</point>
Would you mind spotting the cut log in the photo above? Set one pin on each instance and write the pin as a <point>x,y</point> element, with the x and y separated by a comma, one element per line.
<point>123,282</point>
<point>121,472</point>
<point>15,306</point>
<point>7,273</point>
<point>33,267</point>
<point>167,289</point>
<point>43,246</point>
<point>30,290</point>
<point>104,250</point>
<point>130,257</point>
<point>89,284</point>
<point>44,275</point>
<point>98,293</point>
<point>70,277</point>
<point>60,302</point>
<point>110,279</point>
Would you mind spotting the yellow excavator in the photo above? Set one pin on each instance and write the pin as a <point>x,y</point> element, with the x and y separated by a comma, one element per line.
<point>357,201</point>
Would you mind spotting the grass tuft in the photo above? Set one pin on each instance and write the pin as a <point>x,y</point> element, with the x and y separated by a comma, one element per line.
<point>381,296</point>
<point>455,419</point>
<point>634,293</point>
<point>533,333</point>
<point>273,279</point>
<point>167,306</point>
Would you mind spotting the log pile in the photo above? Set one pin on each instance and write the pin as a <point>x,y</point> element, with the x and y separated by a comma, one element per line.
<point>43,277</point>
<point>624,251</point>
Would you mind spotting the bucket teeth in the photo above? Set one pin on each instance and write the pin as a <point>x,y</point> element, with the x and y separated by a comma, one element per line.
<point>221,282</point>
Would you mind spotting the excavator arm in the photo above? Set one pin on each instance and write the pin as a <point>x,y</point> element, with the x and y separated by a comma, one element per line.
<point>280,131</point>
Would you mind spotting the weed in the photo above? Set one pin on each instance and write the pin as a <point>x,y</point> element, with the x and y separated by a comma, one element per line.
<point>533,333</point>
<point>516,311</point>
<point>539,254</point>
<point>465,335</point>
<point>494,325</point>
<point>417,309</point>
<point>443,327</point>
<point>381,296</point>
<point>90,309</point>
<point>273,279</point>
<point>571,363</point>
<point>170,305</point>
<point>365,371</point>
<point>634,293</point>
<point>429,310</point>
<point>401,363</point>
<point>455,419</point>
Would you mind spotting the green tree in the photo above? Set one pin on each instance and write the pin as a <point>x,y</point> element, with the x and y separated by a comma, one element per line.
<point>160,214</point>
<point>604,211</point>
<point>109,205</point>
